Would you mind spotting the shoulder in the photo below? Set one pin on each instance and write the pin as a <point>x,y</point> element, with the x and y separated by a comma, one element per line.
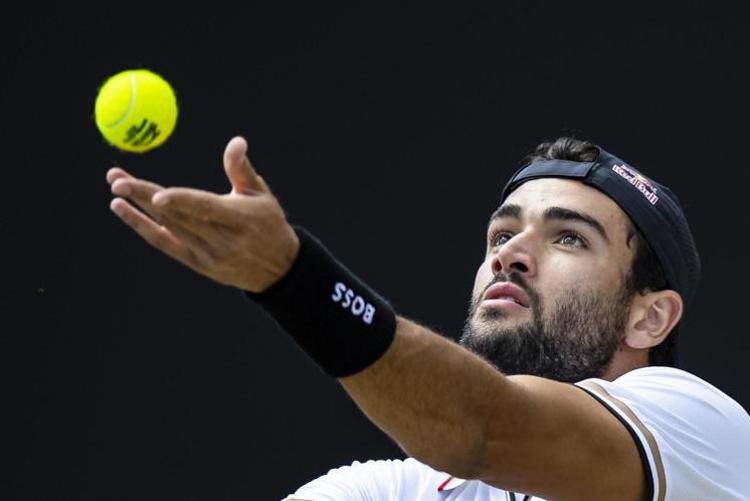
<point>691,434</point>
<point>668,391</point>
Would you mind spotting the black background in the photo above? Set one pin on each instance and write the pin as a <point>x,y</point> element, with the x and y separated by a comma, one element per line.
<point>386,131</point>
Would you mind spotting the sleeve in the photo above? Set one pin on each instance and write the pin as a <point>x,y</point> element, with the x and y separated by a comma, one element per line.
<point>369,481</point>
<point>693,439</point>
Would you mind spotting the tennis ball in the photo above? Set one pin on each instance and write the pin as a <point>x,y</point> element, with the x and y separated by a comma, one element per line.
<point>136,110</point>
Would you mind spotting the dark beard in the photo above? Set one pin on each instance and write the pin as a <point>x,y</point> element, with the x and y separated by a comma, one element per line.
<point>575,340</point>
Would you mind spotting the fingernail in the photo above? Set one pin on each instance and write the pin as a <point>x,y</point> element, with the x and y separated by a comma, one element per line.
<point>121,189</point>
<point>159,200</point>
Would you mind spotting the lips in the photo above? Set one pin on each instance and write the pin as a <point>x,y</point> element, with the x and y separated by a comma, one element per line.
<point>507,291</point>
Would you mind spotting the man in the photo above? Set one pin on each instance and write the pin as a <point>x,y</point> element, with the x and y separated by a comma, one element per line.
<point>589,266</point>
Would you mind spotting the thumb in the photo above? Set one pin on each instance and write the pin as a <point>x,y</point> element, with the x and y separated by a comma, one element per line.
<point>240,171</point>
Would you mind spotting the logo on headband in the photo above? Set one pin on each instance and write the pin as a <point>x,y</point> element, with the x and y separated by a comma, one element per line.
<point>639,181</point>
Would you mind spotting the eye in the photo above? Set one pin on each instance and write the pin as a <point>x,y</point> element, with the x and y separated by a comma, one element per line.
<point>572,239</point>
<point>498,238</point>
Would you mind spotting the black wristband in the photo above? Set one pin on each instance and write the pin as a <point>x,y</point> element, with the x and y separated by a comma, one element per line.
<point>342,324</point>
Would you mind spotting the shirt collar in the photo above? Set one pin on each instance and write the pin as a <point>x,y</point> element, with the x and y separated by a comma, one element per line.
<point>450,483</point>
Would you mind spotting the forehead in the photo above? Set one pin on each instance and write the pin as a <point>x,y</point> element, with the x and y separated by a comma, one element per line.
<point>537,195</point>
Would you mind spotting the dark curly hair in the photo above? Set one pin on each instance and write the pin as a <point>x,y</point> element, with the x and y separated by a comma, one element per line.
<point>646,273</point>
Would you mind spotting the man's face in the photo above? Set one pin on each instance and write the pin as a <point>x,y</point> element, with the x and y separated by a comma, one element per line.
<point>549,298</point>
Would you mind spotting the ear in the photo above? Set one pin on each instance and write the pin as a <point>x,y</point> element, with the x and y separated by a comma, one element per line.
<point>652,317</point>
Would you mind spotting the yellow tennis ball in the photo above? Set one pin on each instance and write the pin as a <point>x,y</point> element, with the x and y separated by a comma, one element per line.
<point>136,110</point>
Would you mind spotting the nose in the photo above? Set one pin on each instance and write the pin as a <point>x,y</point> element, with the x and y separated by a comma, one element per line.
<point>518,255</point>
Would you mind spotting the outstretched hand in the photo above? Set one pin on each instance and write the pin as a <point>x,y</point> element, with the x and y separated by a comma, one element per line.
<point>240,239</point>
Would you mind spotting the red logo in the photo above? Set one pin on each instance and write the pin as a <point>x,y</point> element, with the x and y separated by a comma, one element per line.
<point>639,182</point>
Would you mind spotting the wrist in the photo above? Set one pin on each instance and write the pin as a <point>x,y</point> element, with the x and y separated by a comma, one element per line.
<point>286,258</point>
<point>339,321</point>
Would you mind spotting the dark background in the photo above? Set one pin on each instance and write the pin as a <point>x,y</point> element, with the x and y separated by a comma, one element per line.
<point>389,133</point>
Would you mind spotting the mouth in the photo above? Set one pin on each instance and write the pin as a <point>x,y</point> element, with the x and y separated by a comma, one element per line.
<point>505,294</point>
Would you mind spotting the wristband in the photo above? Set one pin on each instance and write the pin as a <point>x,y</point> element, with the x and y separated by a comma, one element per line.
<point>342,324</point>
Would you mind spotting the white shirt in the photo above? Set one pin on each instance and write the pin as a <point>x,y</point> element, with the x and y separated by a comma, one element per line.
<point>694,441</point>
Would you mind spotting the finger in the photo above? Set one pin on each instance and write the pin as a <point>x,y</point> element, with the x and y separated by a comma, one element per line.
<point>240,171</point>
<point>200,249</point>
<point>196,241</point>
<point>116,173</point>
<point>197,204</point>
<point>139,191</point>
<point>209,231</point>
<point>153,233</point>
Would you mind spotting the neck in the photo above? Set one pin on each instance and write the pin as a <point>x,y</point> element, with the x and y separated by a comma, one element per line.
<point>625,360</point>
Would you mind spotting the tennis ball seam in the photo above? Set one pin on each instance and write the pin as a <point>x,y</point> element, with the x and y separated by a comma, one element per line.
<point>130,103</point>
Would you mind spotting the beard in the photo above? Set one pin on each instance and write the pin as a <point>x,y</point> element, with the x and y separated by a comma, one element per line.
<point>572,339</point>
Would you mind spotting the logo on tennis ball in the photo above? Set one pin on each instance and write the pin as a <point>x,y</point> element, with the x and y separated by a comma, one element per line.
<point>143,134</point>
<point>136,110</point>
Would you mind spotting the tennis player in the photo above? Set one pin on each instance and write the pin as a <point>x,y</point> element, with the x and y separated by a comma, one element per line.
<point>565,384</point>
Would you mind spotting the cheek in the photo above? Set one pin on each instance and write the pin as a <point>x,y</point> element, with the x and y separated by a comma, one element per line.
<point>564,276</point>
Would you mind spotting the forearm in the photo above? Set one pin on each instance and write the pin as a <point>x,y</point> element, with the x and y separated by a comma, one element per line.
<point>434,398</point>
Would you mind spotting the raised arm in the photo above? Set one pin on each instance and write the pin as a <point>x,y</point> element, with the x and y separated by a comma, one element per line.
<point>450,409</point>
<point>442,404</point>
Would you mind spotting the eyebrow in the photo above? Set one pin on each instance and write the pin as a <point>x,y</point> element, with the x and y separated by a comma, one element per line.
<point>506,210</point>
<point>552,214</point>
